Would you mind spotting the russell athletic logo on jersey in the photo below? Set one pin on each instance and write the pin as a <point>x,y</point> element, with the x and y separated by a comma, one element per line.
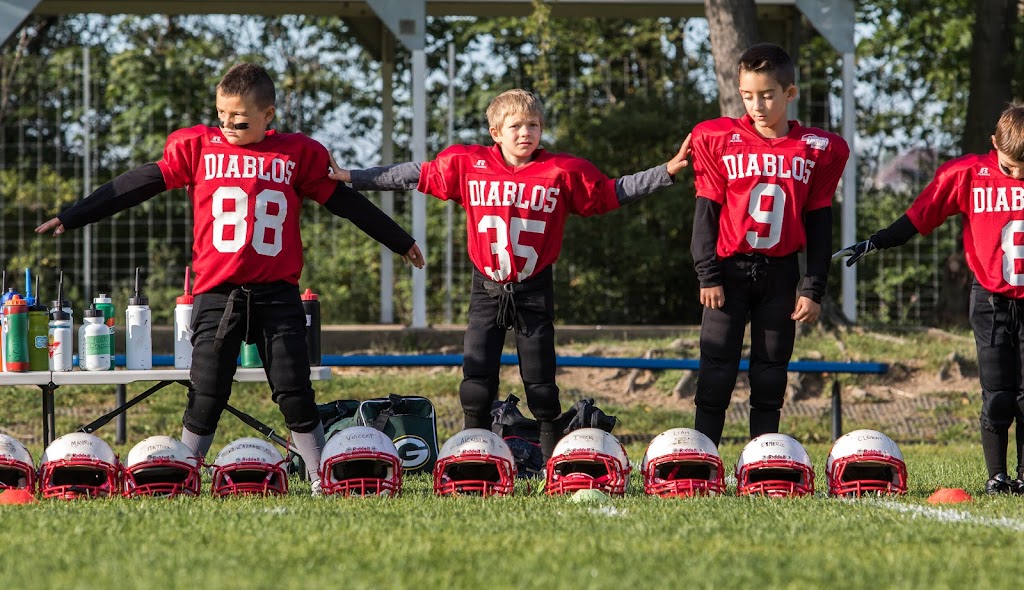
<point>236,166</point>
<point>777,165</point>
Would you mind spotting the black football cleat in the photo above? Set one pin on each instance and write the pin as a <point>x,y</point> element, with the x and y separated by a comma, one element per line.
<point>999,484</point>
<point>1017,485</point>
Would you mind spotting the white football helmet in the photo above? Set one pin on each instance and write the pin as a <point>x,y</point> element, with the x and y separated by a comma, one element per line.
<point>865,461</point>
<point>588,458</point>
<point>774,465</point>
<point>17,469</point>
<point>682,462</point>
<point>79,465</point>
<point>161,466</point>
<point>475,461</point>
<point>360,461</point>
<point>249,465</point>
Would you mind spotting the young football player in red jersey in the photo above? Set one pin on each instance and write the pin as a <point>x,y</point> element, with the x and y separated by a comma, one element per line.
<point>247,184</point>
<point>987,191</point>
<point>517,197</point>
<point>764,193</point>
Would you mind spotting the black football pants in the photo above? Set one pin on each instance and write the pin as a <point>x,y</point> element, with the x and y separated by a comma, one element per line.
<point>272,317</point>
<point>761,290</point>
<point>998,334</point>
<point>535,343</point>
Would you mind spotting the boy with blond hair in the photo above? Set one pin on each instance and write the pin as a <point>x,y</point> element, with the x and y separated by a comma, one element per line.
<point>517,197</point>
<point>987,192</point>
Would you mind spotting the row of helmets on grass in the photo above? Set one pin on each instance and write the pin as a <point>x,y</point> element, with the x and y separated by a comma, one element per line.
<point>363,461</point>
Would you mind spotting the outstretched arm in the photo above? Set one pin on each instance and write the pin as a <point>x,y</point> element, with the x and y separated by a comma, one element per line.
<point>403,176</point>
<point>125,191</point>
<point>897,234</point>
<point>352,205</point>
<point>632,187</point>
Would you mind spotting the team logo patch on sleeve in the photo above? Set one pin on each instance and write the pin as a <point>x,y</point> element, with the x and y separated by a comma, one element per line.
<point>815,142</point>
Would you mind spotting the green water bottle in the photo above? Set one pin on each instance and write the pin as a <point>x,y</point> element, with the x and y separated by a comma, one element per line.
<point>251,357</point>
<point>106,305</point>
<point>38,328</point>
<point>16,335</point>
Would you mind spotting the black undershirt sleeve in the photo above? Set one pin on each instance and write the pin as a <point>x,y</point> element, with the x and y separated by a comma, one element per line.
<point>818,224</point>
<point>125,191</point>
<point>897,234</point>
<point>352,205</point>
<point>704,242</point>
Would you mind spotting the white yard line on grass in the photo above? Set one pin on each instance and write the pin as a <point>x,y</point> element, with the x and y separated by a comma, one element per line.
<point>955,516</point>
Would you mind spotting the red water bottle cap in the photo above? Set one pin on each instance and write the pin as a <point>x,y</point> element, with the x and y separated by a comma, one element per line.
<point>16,300</point>
<point>309,295</point>
<point>186,298</point>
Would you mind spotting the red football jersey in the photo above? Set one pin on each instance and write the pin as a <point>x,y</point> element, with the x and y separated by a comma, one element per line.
<point>765,185</point>
<point>246,202</point>
<point>515,217</point>
<point>992,205</point>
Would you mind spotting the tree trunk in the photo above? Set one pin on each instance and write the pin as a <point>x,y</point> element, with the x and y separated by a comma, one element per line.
<point>991,71</point>
<point>733,27</point>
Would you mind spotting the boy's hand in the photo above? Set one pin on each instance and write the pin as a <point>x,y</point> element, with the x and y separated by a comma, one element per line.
<point>54,224</point>
<point>414,257</point>
<point>855,252</point>
<point>681,159</point>
<point>712,297</point>
<point>807,311</point>
<point>337,172</point>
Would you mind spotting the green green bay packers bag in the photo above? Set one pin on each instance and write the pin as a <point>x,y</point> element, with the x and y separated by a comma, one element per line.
<point>410,422</point>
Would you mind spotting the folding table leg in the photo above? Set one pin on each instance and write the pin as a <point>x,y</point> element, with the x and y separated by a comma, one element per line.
<point>837,409</point>
<point>122,419</point>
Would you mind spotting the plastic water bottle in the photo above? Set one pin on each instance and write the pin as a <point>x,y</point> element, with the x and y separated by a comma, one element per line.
<point>106,305</point>
<point>138,321</point>
<point>183,327</point>
<point>94,342</point>
<point>16,335</point>
<point>311,305</point>
<point>38,328</point>
<point>59,341</point>
<point>8,293</point>
<point>63,305</point>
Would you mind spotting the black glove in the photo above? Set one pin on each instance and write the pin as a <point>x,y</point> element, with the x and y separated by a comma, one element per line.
<point>855,252</point>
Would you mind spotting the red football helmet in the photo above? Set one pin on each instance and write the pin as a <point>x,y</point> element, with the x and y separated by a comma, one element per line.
<point>865,461</point>
<point>588,458</point>
<point>161,466</point>
<point>682,462</point>
<point>79,465</point>
<point>475,461</point>
<point>360,461</point>
<point>774,465</point>
<point>249,466</point>
<point>17,469</point>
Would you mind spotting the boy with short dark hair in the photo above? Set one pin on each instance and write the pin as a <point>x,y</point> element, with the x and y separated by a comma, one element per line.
<point>517,197</point>
<point>987,191</point>
<point>246,184</point>
<point>764,193</point>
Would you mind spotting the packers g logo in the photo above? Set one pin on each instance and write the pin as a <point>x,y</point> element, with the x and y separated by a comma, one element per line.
<point>413,451</point>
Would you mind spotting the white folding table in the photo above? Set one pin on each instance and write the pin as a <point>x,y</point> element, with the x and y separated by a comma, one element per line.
<point>48,382</point>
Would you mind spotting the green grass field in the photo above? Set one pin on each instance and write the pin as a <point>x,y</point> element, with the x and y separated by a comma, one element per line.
<point>526,541</point>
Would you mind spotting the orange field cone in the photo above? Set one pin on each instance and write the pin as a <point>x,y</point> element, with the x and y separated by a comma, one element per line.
<point>16,496</point>
<point>949,496</point>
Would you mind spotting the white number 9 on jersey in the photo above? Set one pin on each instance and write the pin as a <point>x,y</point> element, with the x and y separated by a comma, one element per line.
<point>772,218</point>
<point>267,225</point>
